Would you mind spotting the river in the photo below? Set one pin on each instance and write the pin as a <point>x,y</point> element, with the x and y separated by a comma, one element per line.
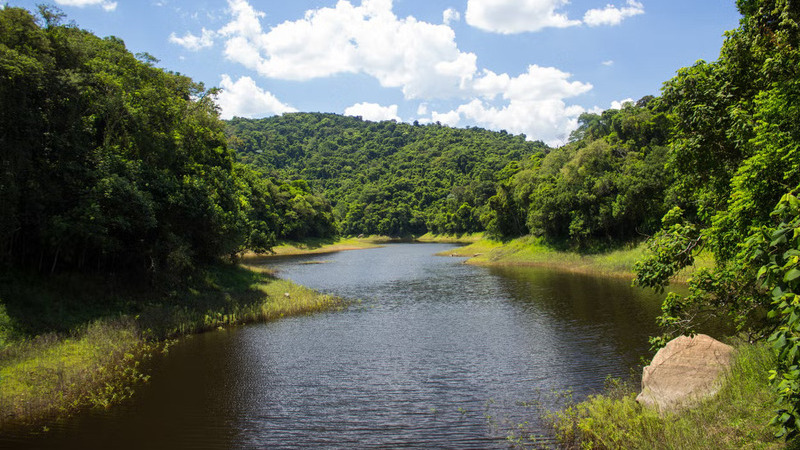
<point>430,353</point>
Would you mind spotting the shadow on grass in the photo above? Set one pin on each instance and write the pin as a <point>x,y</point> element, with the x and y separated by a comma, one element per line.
<point>36,305</point>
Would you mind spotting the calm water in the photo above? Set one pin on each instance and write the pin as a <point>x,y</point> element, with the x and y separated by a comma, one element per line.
<point>433,353</point>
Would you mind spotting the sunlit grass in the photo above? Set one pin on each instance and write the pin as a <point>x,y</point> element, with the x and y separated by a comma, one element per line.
<point>465,238</point>
<point>532,251</point>
<point>315,246</point>
<point>52,374</point>
<point>738,417</point>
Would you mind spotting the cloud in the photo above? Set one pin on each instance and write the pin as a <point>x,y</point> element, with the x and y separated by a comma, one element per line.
<point>534,104</point>
<point>420,58</point>
<point>373,111</point>
<point>611,15</point>
<point>105,4</point>
<point>608,63</point>
<point>192,42</point>
<point>450,15</point>
<point>243,98</point>
<point>618,104</point>
<point>517,16</point>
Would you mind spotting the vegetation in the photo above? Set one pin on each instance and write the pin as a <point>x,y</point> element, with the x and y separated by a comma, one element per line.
<point>111,164</point>
<point>114,170</point>
<point>53,373</point>
<point>386,178</point>
<point>738,417</point>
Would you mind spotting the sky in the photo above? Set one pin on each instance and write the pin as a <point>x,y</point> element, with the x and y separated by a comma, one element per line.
<point>524,66</point>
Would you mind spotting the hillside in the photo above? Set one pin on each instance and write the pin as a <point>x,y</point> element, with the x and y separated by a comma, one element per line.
<point>386,178</point>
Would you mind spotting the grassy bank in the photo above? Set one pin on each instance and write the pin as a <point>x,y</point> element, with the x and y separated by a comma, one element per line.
<point>738,417</point>
<point>466,238</point>
<point>87,350</point>
<point>531,251</point>
<point>320,246</point>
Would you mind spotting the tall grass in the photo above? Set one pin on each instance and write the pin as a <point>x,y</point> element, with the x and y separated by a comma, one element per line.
<point>46,373</point>
<point>737,417</point>
<point>52,376</point>
<point>532,251</point>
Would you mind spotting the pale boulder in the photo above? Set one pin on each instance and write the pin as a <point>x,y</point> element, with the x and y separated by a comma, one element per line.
<point>685,371</point>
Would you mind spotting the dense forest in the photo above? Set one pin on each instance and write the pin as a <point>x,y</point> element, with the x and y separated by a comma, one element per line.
<point>108,163</point>
<point>386,178</point>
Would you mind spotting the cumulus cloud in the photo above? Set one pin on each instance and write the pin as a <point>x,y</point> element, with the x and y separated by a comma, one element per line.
<point>373,111</point>
<point>611,15</point>
<point>420,58</point>
<point>105,4</point>
<point>517,16</point>
<point>243,98</point>
<point>534,104</point>
<point>193,42</point>
<point>450,15</point>
<point>618,104</point>
<point>608,63</point>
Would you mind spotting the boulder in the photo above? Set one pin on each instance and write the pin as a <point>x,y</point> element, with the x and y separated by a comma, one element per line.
<point>684,372</point>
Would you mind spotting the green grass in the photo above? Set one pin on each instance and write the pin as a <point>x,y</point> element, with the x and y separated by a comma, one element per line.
<point>532,251</point>
<point>465,238</point>
<point>315,246</point>
<point>72,342</point>
<point>738,417</point>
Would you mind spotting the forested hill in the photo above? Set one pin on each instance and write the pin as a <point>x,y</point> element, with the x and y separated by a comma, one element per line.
<point>386,178</point>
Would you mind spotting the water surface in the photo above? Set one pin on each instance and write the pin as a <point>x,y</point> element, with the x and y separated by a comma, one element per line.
<point>432,353</point>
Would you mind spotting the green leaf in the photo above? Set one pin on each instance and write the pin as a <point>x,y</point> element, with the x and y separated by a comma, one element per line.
<point>792,275</point>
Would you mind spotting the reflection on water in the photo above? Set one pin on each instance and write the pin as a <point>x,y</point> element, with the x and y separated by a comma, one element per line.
<point>433,353</point>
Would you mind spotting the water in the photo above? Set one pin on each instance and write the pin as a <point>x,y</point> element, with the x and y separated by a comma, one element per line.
<point>432,353</point>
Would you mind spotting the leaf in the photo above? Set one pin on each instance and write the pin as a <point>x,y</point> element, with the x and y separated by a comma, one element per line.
<point>792,275</point>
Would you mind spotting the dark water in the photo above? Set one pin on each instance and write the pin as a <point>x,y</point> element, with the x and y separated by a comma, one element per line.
<point>433,354</point>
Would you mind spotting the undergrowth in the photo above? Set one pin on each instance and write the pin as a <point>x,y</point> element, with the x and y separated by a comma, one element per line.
<point>71,342</point>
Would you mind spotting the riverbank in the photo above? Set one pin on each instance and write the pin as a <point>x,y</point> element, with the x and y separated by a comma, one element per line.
<point>88,350</point>
<point>320,246</point>
<point>737,417</point>
<point>530,251</point>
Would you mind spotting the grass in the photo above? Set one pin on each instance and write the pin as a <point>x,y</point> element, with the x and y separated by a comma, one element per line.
<point>86,349</point>
<point>316,246</point>
<point>738,417</point>
<point>465,238</point>
<point>532,251</point>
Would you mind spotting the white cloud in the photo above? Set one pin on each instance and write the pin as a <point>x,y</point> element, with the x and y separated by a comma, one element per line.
<point>192,42</point>
<point>373,111</point>
<point>105,4</point>
<point>611,15</point>
<point>618,104</point>
<point>450,15</point>
<point>608,63</point>
<point>517,16</point>
<point>534,104</point>
<point>420,58</point>
<point>449,118</point>
<point>243,98</point>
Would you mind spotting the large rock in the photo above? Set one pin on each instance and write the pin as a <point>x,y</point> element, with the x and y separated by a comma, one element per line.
<point>685,371</point>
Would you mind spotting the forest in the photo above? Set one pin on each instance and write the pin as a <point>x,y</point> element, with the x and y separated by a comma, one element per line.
<point>110,164</point>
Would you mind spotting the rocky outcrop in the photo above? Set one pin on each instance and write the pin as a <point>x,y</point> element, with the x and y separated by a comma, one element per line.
<point>685,371</point>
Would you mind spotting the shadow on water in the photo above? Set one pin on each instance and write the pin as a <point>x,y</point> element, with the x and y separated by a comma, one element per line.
<point>434,354</point>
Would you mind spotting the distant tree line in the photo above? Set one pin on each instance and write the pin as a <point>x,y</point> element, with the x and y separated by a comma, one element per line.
<point>386,178</point>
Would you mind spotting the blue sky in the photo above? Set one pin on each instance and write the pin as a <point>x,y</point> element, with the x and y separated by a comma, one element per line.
<point>526,66</point>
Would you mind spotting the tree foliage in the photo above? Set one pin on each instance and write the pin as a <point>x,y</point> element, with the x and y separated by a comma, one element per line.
<point>385,178</point>
<point>109,163</point>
